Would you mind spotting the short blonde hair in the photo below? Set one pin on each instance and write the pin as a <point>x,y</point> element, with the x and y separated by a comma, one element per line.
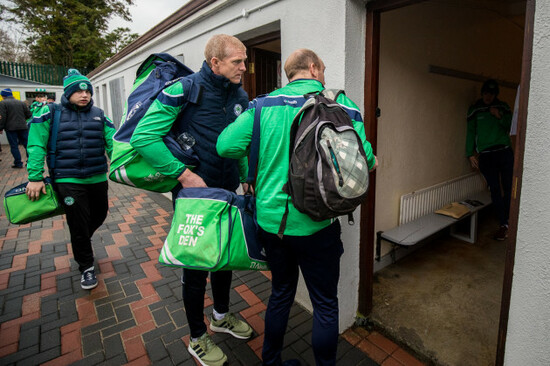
<point>218,46</point>
<point>300,60</point>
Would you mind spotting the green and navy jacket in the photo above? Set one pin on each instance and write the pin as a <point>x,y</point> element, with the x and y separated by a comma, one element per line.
<point>36,106</point>
<point>220,103</point>
<point>486,131</point>
<point>84,136</point>
<point>273,161</point>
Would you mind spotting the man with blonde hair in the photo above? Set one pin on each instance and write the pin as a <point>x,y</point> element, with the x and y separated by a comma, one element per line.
<point>220,46</point>
<point>309,246</point>
<point>222,100</point>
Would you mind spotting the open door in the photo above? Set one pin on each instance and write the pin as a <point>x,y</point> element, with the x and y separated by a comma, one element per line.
<point>263,72</point>
<point>375,9</point>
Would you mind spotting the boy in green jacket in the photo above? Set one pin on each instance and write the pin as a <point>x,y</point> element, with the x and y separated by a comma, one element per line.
<point>78,166</point>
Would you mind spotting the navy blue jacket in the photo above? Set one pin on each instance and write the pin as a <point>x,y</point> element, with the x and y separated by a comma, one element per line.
<point>220,104</point>
<point>80,151</point>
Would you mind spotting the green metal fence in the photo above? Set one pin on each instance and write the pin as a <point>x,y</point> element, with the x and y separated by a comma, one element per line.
<point>47,74</point>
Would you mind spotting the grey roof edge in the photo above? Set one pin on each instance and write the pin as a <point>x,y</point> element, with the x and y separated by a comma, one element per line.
<point>25,81</point>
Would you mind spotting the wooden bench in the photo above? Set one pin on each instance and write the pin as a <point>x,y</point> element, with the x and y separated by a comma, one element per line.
<point>424,222</point>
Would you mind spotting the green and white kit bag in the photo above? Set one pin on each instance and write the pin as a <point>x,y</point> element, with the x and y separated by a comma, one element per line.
<point>127,166</point>
<point>21,210</point>
<point>213,229</point>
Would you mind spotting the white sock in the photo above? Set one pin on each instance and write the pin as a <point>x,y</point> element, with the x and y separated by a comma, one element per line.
<point>218,316</point>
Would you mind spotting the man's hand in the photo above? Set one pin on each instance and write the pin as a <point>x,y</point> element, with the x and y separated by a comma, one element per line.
<point>188,179</point>
<point>246,187</point>
<point>375,164</point>
<point>495,112</point>
<point>474,162</point>
<point>34,189</point>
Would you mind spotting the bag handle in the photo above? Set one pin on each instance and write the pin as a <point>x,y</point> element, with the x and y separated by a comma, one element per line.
<point>332,93</point>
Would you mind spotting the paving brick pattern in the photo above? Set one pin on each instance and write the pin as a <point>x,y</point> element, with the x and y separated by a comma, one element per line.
<point>135,316</point>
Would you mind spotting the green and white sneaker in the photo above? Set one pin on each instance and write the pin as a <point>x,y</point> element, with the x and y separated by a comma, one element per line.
<point>206,351</point>
<point>230,324</point>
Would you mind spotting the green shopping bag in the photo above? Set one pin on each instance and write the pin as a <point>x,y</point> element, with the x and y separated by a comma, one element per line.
<point>213,229</point>
<point>20,210</point>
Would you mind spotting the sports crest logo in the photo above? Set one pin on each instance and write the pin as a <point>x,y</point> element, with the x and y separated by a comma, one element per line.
<point>238,109</point>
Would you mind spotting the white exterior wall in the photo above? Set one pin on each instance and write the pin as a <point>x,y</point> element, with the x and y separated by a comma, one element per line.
<point>529,319</point>
<point>341,46</point>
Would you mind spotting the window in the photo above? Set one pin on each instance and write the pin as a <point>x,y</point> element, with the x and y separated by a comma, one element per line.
<point>104,99</point>
<point>117,91</point>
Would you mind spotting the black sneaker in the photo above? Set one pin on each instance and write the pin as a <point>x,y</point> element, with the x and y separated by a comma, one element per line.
<point>88,280</point>
<point>502,233</point>
<point>17,166</point>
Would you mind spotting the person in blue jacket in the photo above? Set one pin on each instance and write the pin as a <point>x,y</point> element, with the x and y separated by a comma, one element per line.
<point>222,100</point>
<point>78,165</point>
<point>13,114</point>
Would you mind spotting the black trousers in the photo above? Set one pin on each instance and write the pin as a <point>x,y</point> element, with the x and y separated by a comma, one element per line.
<point>498,169</point>
<point>194,288</point>
<point>317,256</point>
<point>86,207</point>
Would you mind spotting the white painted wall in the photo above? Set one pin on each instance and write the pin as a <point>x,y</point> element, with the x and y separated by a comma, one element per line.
<point>344,57</point>
<point>341,47</point>
<point>529,320</point>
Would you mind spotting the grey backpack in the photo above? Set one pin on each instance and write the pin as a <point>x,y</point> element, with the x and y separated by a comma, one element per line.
<point>328,174</point>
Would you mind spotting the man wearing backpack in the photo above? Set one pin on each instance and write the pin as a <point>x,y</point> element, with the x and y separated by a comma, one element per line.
<point>310,246</point>
<point>77,166</point>
<point>221,102</point>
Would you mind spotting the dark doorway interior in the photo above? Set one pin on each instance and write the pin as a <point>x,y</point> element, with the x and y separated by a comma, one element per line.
<point>441,286</point>
<point>263,74</point>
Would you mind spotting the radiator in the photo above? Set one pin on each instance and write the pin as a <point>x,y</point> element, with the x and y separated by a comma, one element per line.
<point>426,200</point>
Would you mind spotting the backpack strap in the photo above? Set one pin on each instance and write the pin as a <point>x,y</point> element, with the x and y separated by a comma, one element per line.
<point>255,141</point>
<point>55,111</point>
<point>253,157</point>
<point>195,93</point>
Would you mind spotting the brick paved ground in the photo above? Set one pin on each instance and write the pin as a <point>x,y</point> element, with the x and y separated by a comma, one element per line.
<point>135,315</point>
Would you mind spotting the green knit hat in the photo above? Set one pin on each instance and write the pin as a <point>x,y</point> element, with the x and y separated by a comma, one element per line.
<point>75,81</point>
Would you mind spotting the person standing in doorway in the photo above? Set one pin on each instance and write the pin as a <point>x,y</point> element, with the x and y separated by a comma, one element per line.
<point>13,119</point>
<point>84,135</point>
<point>488,147</point>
